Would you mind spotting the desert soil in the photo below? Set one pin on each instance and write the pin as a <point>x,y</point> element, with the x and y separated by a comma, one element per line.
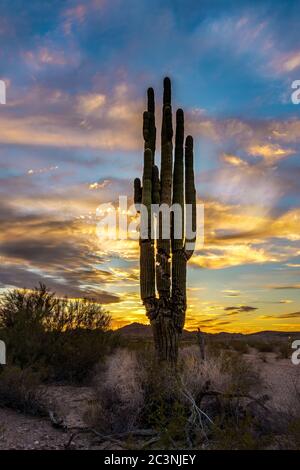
<point>69,405</point>
<point>281,379</point>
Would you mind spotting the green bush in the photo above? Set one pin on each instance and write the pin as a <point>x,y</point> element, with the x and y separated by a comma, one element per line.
<point>72,355</point>
<point>60,338</point>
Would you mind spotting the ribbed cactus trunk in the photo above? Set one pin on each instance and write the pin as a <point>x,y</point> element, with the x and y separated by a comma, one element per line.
<point>163,262</point>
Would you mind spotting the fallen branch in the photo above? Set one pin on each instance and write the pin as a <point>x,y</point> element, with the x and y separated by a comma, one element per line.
<point>260,401</point>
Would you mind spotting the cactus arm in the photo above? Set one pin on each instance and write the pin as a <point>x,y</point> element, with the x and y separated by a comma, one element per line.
<point>146,194</point>
<point>166,146</point>
<point>163,270</point>
<point>152,129</point>
<point>178,183</point>
<point>149,129</point>
<point>190,194</point>
<point>147,259</point>
<point>155,185</point>
<point>137,192</point>
<point>178,254</point>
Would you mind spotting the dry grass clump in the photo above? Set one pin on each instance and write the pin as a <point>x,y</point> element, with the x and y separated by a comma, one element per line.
<point>227,373</point>
<point>120,389</point>
<point>198,375</point>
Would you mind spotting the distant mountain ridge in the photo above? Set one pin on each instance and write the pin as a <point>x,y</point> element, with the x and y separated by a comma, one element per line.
<point>144,331</point>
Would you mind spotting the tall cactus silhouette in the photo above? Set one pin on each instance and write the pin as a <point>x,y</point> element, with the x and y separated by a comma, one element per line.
<point>163,263</point>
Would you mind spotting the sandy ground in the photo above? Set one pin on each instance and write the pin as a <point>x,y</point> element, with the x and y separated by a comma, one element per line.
<point>18,431</point>
<point>281,379</point>
<point>68,405</point>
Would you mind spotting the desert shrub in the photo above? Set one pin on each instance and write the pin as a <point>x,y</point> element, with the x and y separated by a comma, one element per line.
<point>240,346</point>
<point>244,377</point>
<point>241,434</point>
<point>222,387</point>
<point>185,406</point>
<point>290,419</point>
<point>72,355</point>
<point>21,390</point>
<point>120,392</point>
<point>219,387</point>
<point>229,372</point>
<point>214,347</point>
<point>65,339</point>
<point>284,350</point>
<point>263,347</point>
<point>133,391</point>
<point>198,375</point>
<point>214,403</point>
<point>165,408</point>
<point>281,348</point>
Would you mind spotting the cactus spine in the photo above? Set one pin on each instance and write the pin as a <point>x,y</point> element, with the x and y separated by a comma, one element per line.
<point>163,265</point>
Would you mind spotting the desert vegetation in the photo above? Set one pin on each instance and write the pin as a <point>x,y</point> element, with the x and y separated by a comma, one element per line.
<point>58,339</point>
<point>65,349</point>
<point>216,403</point>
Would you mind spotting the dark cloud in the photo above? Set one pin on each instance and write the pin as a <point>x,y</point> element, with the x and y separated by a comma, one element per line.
<point>39,248</point>
<point>290,287</point>
<point>205,324</point>
<point>44,252</point>
<point>284,316</point>
<point>208,320</point>
<point>240,309</point>
<point>20,277</point>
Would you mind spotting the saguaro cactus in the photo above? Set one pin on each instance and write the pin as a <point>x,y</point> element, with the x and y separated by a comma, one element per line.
<point>163,262</point>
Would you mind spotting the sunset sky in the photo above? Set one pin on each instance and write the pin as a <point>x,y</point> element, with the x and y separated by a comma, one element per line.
<point>70,139</point>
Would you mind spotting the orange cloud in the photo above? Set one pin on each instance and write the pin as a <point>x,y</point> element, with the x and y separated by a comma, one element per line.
<point>288,62</point>
<point>93,120</point>
<point>90,103</point>
<point>270,153</point>
<point>41,131</point>
<point>234,160</point>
